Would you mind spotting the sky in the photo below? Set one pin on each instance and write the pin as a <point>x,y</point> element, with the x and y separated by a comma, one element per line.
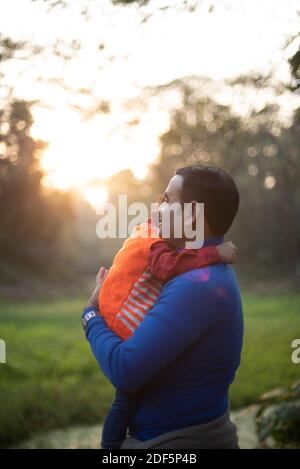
<point>219,40</point>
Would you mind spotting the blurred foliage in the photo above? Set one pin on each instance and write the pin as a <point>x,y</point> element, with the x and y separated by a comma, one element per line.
<point>295,64</point>
<point>66,3</point>
<point>278,418</point>
<point>128,2</point>
<point>260,151</point>
<point>294,61</point>
<point>261,154</point>
<point>263,158</point>
<point>295,68</point>
<point>8,47</point>
<point>33,221</point>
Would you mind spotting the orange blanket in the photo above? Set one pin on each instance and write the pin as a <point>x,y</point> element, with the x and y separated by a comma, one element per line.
<point>129,264</point>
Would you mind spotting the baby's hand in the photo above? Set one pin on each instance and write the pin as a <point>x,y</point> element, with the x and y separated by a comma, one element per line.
<point>101,276</point>
<point>94,298</point>
<point>227,252</point>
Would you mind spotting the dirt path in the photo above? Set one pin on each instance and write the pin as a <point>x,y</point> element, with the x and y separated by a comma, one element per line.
<point>89,437</point>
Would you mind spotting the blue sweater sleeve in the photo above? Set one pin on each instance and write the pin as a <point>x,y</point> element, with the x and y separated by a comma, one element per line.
<point>179,317</point>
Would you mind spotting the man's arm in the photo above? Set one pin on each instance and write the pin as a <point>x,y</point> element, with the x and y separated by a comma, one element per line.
<point>180,316</point>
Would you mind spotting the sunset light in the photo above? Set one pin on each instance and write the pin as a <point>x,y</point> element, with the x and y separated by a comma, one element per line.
<point>149,227</point>
<point>81,147</point>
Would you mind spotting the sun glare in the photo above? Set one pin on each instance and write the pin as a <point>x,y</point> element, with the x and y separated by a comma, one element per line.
<point>96,196</point>
<point>82,152</point>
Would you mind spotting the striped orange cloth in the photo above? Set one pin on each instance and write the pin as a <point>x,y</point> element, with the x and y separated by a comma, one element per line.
<point>130,289</point>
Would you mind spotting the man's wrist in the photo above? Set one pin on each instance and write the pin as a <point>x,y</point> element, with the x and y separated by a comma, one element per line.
<point>88,313</point>
<point>93,301</point>
<point>92,304</point>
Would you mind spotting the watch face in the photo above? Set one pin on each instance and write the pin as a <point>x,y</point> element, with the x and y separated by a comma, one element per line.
<point>88,316</point>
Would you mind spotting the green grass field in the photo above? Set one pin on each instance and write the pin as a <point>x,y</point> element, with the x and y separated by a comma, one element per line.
<point>51,379</point>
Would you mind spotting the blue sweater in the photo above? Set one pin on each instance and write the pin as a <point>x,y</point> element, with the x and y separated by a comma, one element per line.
<point>183,356</point>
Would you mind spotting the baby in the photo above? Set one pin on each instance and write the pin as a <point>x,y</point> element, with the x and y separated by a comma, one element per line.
<point>139,270</point>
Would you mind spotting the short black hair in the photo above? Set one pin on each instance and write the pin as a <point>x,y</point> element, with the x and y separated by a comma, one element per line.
<point>216,189</point>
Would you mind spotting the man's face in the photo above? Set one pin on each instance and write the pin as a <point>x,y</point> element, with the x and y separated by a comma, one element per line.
<point>168,209</point>
<point>181,224</point>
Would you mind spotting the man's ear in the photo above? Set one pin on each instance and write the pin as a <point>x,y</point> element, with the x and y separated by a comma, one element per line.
<point>190,214</point>
<point>194,214</point>
<point>195,233</point>
<point>196,210</point>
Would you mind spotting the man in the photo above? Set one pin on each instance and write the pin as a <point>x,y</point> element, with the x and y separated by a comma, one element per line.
<point>185,353</point>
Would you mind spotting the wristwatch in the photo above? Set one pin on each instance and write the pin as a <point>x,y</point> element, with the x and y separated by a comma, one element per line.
<point>91,313</point>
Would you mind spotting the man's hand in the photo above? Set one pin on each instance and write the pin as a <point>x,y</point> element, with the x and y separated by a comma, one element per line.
<point>227,252</point>
<point>94,298</point>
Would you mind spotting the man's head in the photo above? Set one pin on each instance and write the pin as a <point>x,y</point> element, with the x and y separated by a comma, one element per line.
<point>208,185</point>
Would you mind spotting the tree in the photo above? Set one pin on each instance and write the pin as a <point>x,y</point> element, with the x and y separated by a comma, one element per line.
<point>263,158</point>
<point>33,222</point>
